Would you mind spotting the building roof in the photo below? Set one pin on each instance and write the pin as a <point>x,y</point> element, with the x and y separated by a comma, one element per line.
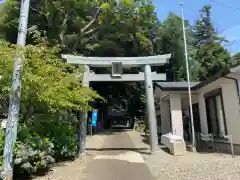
<point>183,86</point>
<point>175,86</point>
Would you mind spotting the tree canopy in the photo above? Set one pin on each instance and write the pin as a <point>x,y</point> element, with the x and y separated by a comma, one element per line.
<point>210,54</point>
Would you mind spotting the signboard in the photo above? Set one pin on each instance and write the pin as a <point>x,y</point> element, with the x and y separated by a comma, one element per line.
<point>94,118</point>
<point>117,69</point>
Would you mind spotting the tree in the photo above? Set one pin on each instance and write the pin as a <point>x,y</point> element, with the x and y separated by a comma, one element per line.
<point>170,40</point>
<point>47,79</point>
<point>210,54</point>
<point>63,23</point>
<point>90,28</point>
<point>204,30</point>
<point>236,58</point>
<point>125,30</point>
<point>51,92</point>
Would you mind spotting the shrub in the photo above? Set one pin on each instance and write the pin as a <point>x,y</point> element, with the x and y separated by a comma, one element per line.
<point>61,133</point>
<point>33,156</point>
<point>40,142</point>
<point>49,86</point>
<point>2,139</point>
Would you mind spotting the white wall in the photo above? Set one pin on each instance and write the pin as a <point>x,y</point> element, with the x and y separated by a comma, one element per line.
<point>165,117</point>
<point>185,100</point>
<point>231,105</point>
<point>176,114</point>
<point>232,114</point>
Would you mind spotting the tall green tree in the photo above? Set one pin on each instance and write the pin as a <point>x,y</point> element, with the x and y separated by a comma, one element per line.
<point>210,54</point>
<point>126,29</point>
<point>90,28</point>
<point>204,30</point>
<point>51,91</point>
<point>169,39</point>
<point>63,23</point>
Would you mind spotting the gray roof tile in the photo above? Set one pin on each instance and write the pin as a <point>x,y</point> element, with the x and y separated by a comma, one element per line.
<point>175,85</point>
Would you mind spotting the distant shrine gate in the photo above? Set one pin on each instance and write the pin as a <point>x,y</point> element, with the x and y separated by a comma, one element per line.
<point>117,64</point>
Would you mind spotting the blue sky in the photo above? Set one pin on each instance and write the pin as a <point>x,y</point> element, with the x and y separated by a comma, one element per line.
<point>226,20</point>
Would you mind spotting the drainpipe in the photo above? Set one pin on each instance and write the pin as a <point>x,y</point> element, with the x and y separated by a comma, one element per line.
<point>238,90</point>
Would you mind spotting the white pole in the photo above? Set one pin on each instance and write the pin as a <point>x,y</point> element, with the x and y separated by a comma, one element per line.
<point>14,102</point>
<point>188,80</point>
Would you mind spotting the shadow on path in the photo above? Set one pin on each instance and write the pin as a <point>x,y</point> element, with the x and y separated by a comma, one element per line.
<point>139,150</point>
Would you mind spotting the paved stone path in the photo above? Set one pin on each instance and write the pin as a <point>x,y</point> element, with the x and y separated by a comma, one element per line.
<point>118,159</point>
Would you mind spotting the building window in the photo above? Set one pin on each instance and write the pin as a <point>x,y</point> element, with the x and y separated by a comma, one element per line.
<point>215,114</point>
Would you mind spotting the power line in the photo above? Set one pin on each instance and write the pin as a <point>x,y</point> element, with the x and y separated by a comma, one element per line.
<point>225,5</point>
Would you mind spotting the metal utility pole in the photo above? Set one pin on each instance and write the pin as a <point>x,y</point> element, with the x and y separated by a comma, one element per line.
<point>188,80</point>
<point>14,102</point>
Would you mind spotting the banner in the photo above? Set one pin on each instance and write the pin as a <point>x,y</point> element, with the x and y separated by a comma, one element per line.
<point>94,118</point>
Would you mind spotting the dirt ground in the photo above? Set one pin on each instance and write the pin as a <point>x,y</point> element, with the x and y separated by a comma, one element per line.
<point>70,170</point>
<point>76,169</point>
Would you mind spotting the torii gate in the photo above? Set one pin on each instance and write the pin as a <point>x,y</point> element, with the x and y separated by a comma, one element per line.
<point>117,63</point>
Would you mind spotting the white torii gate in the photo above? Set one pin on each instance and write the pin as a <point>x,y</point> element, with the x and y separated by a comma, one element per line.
<point>118,63</point>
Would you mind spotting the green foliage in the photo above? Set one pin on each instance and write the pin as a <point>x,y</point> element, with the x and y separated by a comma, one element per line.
<point>49,87</point>
<point>172,42</point>
<point>2,139</point>
<point>47,81</point>
<point>33,155</point>
<point>210,54</point>
<point>42,141</point>
<point>204,30</point>
<point>31,152</point>
<point>236,59</point>
<point>213,59</point>
<point>60,128</point>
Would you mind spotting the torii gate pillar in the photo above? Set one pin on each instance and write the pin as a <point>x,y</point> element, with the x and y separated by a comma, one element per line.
<point>152,123</point>
<point>83,118</point>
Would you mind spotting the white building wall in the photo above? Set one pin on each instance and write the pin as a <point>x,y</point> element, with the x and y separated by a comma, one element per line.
<point>230,103</point>
<point>165,117</point>
<point>176,114</point>
<point>231,107</point>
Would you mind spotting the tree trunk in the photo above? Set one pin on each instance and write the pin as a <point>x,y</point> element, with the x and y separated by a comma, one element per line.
<point>82,132</point>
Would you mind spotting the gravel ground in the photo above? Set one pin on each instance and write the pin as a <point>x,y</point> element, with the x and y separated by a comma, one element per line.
<point>193,166</point>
